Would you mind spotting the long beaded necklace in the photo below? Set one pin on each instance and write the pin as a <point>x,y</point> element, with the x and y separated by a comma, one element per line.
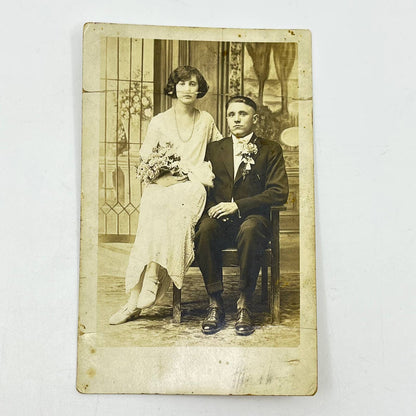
<point>177,128</point>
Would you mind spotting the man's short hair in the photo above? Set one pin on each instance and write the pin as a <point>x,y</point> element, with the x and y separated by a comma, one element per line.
<point>241,99</point>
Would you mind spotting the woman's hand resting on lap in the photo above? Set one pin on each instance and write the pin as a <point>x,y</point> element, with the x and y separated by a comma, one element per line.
<point>169,180</point>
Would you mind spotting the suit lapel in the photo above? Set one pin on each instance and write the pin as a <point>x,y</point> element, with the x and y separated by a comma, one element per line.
<point>227,156</point>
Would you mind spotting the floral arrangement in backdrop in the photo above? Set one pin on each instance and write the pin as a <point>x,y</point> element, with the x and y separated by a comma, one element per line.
<point>134,104</point>
<point>136,101</point>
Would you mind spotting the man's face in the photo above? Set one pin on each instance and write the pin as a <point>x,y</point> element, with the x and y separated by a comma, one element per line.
<point>241,119</point>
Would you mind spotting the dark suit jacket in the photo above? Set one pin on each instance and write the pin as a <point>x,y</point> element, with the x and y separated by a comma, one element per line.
<point>265,185</point>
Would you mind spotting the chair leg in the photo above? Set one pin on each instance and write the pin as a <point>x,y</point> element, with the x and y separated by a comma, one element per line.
<point>275,297</point>
<point>275,271</point>
<point>177,313</point>
<point>264,284</point>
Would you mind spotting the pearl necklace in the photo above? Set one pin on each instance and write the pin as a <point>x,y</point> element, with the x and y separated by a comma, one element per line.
<point>177,128</point>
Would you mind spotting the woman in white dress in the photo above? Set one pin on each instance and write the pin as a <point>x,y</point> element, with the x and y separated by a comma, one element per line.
<point>172,205</point>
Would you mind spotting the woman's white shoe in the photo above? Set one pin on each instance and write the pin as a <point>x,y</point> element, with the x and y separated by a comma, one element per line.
<point>123,315</point>
<point>147,297</point>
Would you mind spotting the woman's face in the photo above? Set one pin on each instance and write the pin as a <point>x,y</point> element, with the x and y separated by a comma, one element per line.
<point>187,91</point>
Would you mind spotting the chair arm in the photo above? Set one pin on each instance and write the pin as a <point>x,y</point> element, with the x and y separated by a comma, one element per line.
<point>275,208</point>
<point>274,211</point>
<point>274,219</point>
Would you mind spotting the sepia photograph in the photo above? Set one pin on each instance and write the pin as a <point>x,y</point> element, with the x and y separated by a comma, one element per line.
<point>201,210</point>
<point>197,211</point>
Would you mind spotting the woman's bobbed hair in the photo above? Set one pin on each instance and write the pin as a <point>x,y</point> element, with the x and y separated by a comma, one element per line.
<point>184,73</point>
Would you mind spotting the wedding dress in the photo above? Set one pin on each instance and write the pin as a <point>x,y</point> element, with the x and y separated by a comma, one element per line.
<point>168,215</point>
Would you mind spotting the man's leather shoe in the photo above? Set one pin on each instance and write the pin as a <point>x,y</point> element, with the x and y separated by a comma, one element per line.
<point>243,325</point>
<point>214,320</point>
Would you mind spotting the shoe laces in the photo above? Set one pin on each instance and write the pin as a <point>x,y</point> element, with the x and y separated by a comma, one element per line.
<point>243,313</point>
<point>212,311</point>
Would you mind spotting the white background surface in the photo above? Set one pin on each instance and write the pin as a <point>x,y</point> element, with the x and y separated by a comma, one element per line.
<point>364,115</point>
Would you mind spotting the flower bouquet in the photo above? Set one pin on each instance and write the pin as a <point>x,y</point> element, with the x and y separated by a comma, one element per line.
<point>160,161</point>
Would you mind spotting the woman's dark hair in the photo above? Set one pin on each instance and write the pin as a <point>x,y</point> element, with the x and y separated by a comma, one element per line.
<point>184,73</point>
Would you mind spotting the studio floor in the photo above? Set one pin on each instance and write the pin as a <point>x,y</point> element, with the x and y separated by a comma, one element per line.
<point>155,328</point>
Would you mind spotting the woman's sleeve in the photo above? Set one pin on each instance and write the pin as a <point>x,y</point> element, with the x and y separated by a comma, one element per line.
<point>215,134</point>
<point>151,139</point>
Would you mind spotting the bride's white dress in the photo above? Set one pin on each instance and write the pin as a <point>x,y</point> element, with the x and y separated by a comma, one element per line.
<point>168,215</point>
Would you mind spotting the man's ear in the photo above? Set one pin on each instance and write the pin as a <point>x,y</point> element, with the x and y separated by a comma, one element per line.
<point>255,118</point>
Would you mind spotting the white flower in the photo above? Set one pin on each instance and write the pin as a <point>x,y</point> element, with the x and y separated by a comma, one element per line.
<point>249,149</point>
<point>145,101</point>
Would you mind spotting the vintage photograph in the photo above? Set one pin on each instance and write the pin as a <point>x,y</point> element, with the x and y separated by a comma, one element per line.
<point>197,228</point>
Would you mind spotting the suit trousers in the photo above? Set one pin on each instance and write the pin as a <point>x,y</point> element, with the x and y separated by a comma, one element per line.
<point>250,235</point>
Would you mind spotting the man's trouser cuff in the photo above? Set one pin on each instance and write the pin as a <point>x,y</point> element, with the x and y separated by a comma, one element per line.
<point>214,288</point>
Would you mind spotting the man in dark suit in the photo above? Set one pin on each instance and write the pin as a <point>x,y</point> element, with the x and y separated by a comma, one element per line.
<point>250,176</point>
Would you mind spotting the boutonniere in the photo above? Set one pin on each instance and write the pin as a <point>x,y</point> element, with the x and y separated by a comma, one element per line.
<point>247,153</point>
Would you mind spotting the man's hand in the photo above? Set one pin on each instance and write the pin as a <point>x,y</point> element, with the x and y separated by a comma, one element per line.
<point>169,180</point>
<point>223,209</point>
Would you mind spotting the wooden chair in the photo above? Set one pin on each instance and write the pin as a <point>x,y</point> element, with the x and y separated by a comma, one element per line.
<point>271,259</point>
